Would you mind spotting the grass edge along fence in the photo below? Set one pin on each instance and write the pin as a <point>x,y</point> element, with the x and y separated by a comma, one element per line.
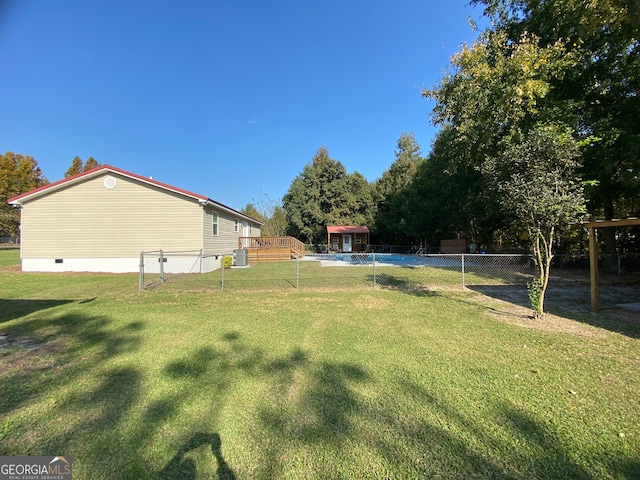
<point>345,270</point>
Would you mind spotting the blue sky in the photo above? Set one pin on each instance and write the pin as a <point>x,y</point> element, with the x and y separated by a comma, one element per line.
<point>229,99</point>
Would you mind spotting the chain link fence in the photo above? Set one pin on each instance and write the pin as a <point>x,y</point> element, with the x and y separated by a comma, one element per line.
<point>155,266</point>
<point>346,270</point>
<point>10,241</point>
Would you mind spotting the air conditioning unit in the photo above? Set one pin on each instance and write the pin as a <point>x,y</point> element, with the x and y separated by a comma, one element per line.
<point>241,257</point>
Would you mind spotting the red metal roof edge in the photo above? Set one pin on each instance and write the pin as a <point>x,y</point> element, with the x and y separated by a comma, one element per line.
<point>347,229</point>
<point>109,168</point>
<point>125,173</point>
<point>49,185</point>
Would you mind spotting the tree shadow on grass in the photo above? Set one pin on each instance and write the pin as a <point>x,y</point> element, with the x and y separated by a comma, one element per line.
<point>210,372</point>
<point>572,302</point>
<point>181,468</point>
<point>327,413</point>
<point>64,395</point>
<point>405,284</point>
<point>309,404</point>
<point>100,415</point>
<point>320,411</point>
<point>541,452</point>
<point>63,349</point>
<point>16,308</point>
<point>99,400</point>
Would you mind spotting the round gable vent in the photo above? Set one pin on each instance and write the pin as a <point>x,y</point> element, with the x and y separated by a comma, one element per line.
<point>109,182</point>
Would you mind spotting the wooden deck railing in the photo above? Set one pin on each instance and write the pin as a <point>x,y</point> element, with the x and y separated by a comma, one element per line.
<point>292,245</point>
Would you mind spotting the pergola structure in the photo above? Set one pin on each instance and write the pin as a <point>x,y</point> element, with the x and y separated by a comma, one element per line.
<point>593,251</point>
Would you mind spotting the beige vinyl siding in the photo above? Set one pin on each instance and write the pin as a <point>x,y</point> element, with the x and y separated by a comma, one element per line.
<point>208,239</point>
<point>89,220</point>
<point>227,239</point>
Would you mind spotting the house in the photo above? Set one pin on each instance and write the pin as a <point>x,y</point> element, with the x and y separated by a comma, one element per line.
<point>102,219</point>
<point>347,238</point>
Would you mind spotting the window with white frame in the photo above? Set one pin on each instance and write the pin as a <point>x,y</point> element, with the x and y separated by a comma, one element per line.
<point>214,223</point>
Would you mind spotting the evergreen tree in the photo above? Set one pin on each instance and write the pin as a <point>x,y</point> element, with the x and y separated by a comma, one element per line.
<point>449,198</point>
<point>325,194</point>
<point>391,193</point>
<point>75,168</point>
<point>78,167</point>
<point>90,164</point>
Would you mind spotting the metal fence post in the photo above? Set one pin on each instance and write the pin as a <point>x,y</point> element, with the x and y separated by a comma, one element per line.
<point>201,260</point>
<point>374,268</point>
<point>297,272</point>
<point>462,260</point>
<point>141,275</point>
<point>161,266</point>
<point>222,268</point>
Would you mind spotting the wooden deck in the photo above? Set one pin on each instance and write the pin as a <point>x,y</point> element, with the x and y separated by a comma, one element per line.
<point>271,249</point>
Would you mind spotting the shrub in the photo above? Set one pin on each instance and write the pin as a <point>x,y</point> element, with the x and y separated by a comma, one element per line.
<point>535,297</point>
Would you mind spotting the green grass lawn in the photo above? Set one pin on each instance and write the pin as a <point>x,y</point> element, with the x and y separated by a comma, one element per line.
<point>310,274</point>
<point>9,256</point>
<point>185,381</point>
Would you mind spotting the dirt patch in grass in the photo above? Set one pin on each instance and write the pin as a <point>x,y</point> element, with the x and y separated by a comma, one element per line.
<point>10,269</point>
<point>24,354</point>
<point>567,307</point>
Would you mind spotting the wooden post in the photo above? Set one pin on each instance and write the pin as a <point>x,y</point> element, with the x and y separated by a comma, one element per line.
<point>593,268</point>
<point>593,251</point>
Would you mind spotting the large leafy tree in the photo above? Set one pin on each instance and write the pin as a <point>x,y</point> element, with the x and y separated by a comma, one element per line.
<point>18,174</point>
<point>601,88</point>
<point>77,166</point>
<point>506,123</point>
<point>495,92</point>
<point>393,206</point>
<point>497,89</point>
<point>325,194</point>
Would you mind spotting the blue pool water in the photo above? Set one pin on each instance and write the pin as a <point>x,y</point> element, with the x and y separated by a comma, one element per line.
<point>341,259</point>
<point>368,257</point>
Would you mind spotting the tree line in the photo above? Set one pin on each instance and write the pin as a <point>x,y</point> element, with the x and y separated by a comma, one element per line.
<point>537,127</point>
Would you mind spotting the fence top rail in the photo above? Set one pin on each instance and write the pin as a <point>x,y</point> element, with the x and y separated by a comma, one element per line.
<point>184,253</point>
<point>171,252</point>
